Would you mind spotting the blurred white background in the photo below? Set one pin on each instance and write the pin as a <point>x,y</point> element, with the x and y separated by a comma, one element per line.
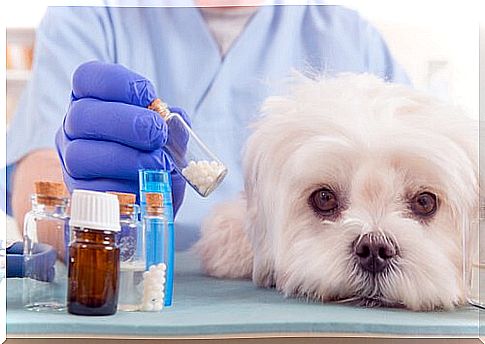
<point>436,42</point>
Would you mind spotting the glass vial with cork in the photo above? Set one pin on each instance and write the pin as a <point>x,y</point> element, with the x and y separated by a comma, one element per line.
<point>160,253</point>
<point>202,170</point>
<point>94,256</point>
<point>45,236</point>
<point>131,241</point>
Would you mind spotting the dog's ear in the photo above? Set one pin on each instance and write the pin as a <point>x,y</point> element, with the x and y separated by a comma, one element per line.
<point>264,152</point>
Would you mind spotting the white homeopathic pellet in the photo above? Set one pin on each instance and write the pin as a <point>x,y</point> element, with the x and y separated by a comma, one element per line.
<point>203,174</point>
<point>153,288</point>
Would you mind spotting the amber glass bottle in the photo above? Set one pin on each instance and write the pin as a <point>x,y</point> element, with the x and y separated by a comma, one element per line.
<point>93,272</point>
<point>94,257</point>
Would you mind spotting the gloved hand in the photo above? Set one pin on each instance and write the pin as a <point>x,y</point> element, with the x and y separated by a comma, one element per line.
<point>108,133</point>
<point>40,265</point>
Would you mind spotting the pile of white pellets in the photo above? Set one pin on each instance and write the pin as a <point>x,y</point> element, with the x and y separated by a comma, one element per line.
<point>203,174</point>
<point>153,288</point>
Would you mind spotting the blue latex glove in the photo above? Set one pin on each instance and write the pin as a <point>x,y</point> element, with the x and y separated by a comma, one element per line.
<point>40,266</point>
<point>108,133</point>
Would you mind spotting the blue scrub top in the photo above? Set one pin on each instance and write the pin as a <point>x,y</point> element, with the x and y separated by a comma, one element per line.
<point>175,50</point>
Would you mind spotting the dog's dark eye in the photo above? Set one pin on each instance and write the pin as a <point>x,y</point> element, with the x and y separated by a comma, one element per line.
<point>324,202</point>
<point>424,204</point>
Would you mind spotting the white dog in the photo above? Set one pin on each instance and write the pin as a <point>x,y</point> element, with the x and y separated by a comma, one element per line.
<point>355,190</point>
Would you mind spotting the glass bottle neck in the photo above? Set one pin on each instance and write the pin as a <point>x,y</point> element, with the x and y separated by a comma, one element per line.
<point>50,205</point>
<point>155,212</point>
<point>129,212</point>
<point>151,215</point>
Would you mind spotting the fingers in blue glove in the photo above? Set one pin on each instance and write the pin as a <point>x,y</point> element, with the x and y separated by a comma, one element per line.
<point>123,185</point>
<point>130,125</point>
<point>111,82</point>
<point>105,139</point>
<point>88,159</point>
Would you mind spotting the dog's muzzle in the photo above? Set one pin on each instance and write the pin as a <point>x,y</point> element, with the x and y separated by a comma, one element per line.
<point>374,251</point>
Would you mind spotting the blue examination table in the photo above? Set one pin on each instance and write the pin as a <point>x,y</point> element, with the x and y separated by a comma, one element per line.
<point>207,307</point>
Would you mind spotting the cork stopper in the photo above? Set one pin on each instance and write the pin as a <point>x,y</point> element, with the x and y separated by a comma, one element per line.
<point>50,193</point>
<point>158,106</point>
<point>126,201</point>
<point>154,202</point>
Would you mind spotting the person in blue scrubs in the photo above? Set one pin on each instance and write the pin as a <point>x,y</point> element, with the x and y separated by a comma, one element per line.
<point>218,72</point>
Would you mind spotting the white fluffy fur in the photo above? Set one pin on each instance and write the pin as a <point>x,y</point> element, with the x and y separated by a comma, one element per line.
<point>377,143</point>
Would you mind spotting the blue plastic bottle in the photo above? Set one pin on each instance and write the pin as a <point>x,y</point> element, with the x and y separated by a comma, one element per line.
<point>160,244</point>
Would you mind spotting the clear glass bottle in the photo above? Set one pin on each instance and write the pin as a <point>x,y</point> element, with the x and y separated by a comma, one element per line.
<point>202,170</point>
<point>94,256</point>
<point>46,234</point>
<point>131,241</point>
<point>474,261</point>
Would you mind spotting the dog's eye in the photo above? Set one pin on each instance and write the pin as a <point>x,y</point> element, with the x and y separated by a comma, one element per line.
<point>424,204</point>
<point>324,201</point>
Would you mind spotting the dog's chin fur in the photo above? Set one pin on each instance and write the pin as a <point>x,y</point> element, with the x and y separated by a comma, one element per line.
<point>376,143</point>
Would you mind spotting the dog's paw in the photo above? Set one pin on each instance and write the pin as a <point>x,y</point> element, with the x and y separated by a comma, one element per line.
<point>224,248</point>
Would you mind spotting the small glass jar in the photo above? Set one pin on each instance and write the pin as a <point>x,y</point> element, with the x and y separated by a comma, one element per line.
<point>131,241</point>
<point>202,170</point>
<point>158,284</point>
<point>46,234</point>
<point>94,256</point>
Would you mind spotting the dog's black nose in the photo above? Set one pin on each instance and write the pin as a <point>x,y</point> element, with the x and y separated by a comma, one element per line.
<point>374,251</point>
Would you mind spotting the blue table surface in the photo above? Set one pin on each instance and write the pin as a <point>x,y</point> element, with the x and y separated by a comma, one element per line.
<point>208,306</point>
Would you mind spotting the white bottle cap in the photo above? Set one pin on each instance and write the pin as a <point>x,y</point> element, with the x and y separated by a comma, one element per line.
<point>95,210</point>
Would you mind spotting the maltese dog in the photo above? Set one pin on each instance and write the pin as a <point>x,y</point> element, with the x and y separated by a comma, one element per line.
<point>356,190</point>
